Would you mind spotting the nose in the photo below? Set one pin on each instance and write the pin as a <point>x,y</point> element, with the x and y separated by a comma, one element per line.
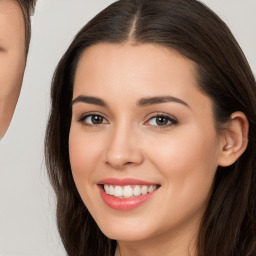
<point>123,148</point>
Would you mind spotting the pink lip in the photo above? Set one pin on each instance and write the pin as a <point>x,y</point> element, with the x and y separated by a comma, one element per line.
<point>123,182</point>
<point>124,203</point>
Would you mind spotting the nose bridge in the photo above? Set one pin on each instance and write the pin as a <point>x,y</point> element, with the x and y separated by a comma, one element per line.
<point>123,148</point>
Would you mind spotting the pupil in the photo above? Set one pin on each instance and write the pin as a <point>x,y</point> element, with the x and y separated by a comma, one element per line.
<point>96,119</point>
<point>161,120</point>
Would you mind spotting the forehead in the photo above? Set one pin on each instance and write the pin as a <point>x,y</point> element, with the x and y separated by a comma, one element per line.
<point>11,21</point>
<point>121,67</point>
<point>10,7</point>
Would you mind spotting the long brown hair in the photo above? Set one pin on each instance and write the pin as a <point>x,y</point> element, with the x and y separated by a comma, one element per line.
<point>228,227</point>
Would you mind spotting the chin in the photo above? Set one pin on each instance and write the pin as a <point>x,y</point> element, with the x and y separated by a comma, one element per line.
<point>125,235</point>
<point>126,230</point>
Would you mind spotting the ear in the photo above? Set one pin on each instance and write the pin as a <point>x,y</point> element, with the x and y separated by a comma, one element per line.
<point>234,139</point>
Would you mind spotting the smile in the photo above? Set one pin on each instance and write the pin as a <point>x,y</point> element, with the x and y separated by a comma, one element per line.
<point>126,194</point>
<point>128,190</point>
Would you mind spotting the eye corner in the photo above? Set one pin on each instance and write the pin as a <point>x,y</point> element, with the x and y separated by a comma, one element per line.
<point>2,49</point>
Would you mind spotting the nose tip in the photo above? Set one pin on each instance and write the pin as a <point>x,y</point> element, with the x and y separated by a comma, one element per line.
<point>123,151</point>
<point>124,159</point>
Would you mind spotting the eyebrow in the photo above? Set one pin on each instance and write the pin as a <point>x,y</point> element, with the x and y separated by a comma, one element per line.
<point>141,103</point>
<point>90,100</point>
<point>160,99</point>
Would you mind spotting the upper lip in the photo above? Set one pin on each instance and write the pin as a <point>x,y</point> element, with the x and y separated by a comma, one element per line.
<point>123,182</point>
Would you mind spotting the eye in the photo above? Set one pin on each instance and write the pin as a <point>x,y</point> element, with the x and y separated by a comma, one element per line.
<point>161,120</point>
<point>93,119</point>
<point>2,49</point>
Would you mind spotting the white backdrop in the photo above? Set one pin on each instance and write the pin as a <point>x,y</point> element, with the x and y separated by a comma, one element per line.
<point>27,204</point>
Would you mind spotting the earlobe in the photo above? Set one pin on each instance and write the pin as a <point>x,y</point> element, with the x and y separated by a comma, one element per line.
<point>234,139</point>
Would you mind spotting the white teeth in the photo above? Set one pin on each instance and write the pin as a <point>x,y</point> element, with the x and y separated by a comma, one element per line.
<point>107,189</point>
<point>118,191</point>
<point>128,190</point>
<point>152,188</point>
<point>144,190</point>
<point>137,190</point>
<point>111,190</point>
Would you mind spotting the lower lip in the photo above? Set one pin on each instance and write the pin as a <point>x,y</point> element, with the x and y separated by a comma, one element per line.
<point>124,203</point>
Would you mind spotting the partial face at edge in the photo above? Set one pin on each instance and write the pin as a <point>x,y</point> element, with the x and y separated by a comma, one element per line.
<point>138,115</point>
<point>12,59</point>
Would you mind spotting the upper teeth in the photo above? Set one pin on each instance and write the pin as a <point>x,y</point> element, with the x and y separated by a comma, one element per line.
<point>128,190</point>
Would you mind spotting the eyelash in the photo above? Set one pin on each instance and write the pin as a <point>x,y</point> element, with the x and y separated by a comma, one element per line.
<point>170,120</point>
<point>85,116</point>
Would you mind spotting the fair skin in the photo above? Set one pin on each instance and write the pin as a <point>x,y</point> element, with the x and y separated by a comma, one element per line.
<point>12,59</point>
<point>169,141</point>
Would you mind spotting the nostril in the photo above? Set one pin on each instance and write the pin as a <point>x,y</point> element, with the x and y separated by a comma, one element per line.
<point>128,163</point>
<point>120,165</point>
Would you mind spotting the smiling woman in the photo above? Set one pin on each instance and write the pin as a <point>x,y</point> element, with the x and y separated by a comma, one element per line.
<point>14,45</point>
<point>150,144</point>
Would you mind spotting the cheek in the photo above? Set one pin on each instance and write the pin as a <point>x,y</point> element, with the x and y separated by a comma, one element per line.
<point>12,69</point>
<point>185,148</point>
<point>187,164</point>
<point>83,152</point>
<point>187,161</point>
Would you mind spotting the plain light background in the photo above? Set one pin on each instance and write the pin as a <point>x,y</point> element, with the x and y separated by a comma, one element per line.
<point>27,203</point>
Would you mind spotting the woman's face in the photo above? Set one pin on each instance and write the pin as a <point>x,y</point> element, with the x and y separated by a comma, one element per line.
<point>12,58</point>
<point>142,128</point>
